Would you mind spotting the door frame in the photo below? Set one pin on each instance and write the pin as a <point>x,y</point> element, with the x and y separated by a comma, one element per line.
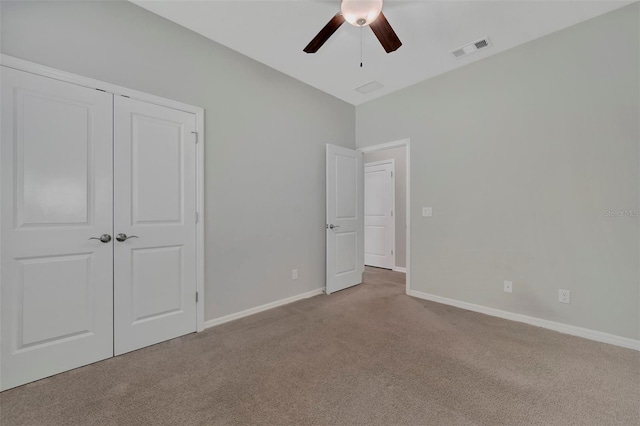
<point>393,200</point>
<point>396,144</point>
<point>45,71</point>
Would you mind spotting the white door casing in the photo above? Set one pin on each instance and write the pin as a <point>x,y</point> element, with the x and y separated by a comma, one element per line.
<point>56,192</point>
<point>379,219</point>
<point>155,206</point>
<point>345,219</point>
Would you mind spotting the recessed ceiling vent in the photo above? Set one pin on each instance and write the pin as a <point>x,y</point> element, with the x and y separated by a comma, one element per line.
<point>369,87</point>
<point>472,47</point>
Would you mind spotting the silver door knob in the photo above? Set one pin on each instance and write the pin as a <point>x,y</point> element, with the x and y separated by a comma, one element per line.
<point>332,226</point>
<point>105,238</point>
<point>123,237</point>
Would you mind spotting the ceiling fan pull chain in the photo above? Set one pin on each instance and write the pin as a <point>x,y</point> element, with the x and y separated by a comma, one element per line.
<point>360,47</point>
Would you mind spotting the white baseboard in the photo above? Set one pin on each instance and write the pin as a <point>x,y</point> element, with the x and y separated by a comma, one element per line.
<point>598,336</point>
<point>400,269</point>
<point>265,307</point>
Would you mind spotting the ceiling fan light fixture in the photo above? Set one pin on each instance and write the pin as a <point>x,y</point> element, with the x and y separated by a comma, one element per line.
<point>360,13</point>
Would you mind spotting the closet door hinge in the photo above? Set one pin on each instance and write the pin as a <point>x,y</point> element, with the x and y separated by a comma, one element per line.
<point>196,297</point>
<point>197,217</point>
<point>391,174</point>
<point>197,138</point>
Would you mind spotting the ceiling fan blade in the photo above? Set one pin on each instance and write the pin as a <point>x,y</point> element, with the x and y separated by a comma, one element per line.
<point>387,37</point>
<point>324,34</point>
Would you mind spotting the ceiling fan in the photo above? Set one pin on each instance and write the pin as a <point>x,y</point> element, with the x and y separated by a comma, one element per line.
<point>359,13</point>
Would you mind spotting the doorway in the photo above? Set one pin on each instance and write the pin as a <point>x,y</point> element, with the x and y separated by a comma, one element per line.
<point>398,154</point>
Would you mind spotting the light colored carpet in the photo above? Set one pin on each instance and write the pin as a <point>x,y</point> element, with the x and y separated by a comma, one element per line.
<point>369,355</point>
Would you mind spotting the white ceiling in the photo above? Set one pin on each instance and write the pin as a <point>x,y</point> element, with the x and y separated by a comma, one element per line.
<point>275,32</point>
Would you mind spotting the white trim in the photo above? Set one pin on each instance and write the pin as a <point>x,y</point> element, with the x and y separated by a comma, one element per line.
<point>44,71</point>
<point>200,225</point>
<point>379,163</point>
<point>408,232</point>
<point>586,333</point>
<point>400,269</point>
<point>388,145</point>
<point>261,308</point>
<point>396,144</point>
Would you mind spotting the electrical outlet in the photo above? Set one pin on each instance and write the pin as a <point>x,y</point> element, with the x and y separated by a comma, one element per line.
<point>508,287</point>
<point>294,274</point>
<point>564,296</point>
<point>427,211</point>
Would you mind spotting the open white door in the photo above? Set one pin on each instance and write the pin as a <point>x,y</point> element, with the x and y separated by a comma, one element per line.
<point>345,218</point>
<point>154,224</point>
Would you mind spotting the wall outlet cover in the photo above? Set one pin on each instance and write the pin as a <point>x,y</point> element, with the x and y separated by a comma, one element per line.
<point>427,211</point>
<point>564,296</point>
<point>508,287</point>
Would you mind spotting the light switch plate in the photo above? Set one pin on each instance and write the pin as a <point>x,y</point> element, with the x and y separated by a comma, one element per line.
<point>427,211</point>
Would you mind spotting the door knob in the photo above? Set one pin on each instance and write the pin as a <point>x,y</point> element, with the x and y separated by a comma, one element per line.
<point>332,226</point>
<point>123,237</point>
<point>105,238</point>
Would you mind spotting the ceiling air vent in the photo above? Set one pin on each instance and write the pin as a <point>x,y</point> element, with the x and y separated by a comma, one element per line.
<point>472,47</point>
<point>482,43</point>
<point>369,87</point>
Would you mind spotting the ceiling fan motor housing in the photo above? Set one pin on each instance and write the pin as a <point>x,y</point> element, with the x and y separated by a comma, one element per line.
<point>360,12</point>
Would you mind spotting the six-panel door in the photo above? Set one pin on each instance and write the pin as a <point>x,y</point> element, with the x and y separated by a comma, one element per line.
<point>56,158</point>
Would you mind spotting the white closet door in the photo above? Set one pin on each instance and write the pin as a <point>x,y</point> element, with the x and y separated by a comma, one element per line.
<point>155,206</point>
<point>56,192</point>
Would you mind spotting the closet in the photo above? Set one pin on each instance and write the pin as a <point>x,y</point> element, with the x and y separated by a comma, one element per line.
<point>98,225</point>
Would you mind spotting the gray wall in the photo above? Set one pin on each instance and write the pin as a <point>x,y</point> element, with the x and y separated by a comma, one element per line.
<point>265,136</point>
<point>399,156</point>
<point>521,155</point>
